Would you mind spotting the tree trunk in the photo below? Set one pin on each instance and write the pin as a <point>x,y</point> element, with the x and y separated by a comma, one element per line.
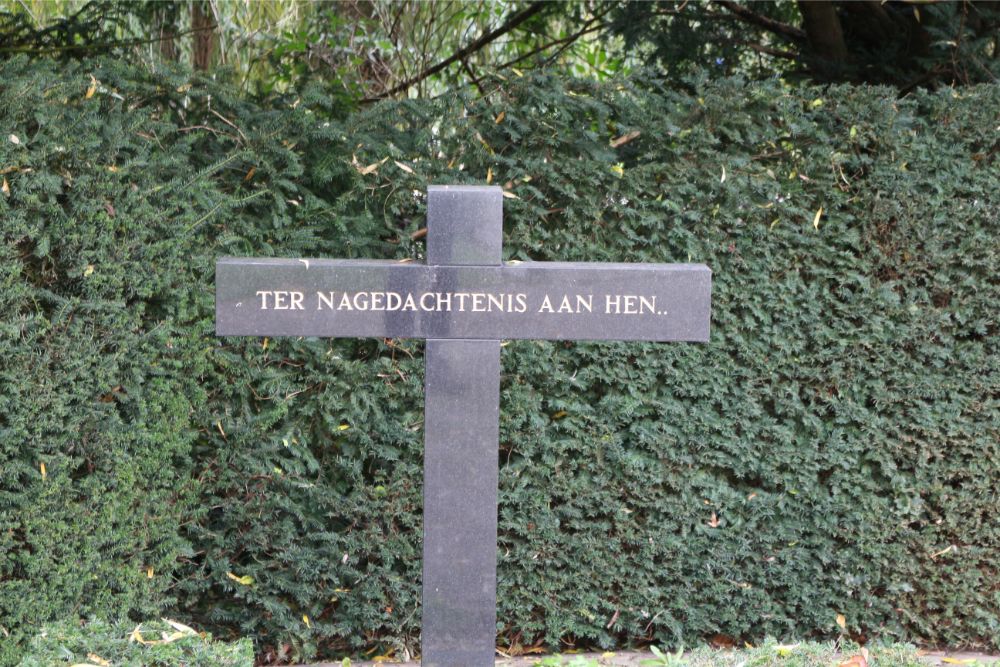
<point>822,26</point>
<point>203,27</point>
<point>167,33</point>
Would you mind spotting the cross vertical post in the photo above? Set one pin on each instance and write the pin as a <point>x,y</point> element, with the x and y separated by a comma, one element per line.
<point>461,430</point>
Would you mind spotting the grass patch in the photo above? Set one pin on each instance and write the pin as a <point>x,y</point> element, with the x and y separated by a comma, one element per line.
<point>769,654</point>
<point>154,644</point>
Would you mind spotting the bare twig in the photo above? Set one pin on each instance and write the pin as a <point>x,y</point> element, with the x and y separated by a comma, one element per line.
<point>472,75</point>
<point>230,124</point>
<point>514,21</point>
<point>191,128</point>
<point>777,27</point>
<point>771,51</point>
<point>587,28</point>
<point>103,45</point>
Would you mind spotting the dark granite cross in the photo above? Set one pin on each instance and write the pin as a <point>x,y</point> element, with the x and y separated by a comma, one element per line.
<point>463,300</point>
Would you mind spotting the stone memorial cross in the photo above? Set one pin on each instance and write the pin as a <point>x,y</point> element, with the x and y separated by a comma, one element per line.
<point>463,300</point>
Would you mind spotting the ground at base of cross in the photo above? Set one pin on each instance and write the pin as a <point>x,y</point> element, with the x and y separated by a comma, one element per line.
<point>640,658</point>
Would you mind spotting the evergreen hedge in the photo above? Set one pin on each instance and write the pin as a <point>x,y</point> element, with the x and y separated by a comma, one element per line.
<point>833,451</point>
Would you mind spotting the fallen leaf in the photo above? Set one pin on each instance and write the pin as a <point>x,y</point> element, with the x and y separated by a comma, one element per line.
<point>959,661</point>
<point>625,138</point>
<point>819,214</point>
<point>723,179</point>
<point>180,627</point>
<point>842,622</point>
<point>136,636</point>
<point>5,187</point>
<point>364,171</point>
<point>402,166</point>
<point>246,579</point>
<point>854,661</point>
<point>500,117</point>
<point>98,659</point>
<point>714,521</point>
<point>305,619</point>
<point>618,169</point>
<point>149,572</point>
<point>944,551</point>
<point>510,195</point>
<point>14,139</point>
<point>489,175</point>
<point>93,88</point>
<point>785,650</point>
<point>722,641</point>
<point>489,149</point>
<point>250,173</point>
<point>41,466</point>
<point>88,271</point>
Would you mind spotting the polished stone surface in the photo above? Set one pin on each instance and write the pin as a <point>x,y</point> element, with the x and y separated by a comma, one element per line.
<point>461,429</point>
<point>464,225</point>
<point>548,300</point>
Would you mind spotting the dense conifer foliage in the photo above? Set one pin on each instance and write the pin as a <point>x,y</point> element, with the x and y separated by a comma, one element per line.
<point>832,452</point>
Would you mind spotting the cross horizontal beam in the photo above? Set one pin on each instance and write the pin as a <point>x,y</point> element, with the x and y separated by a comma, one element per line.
<point>547,300</point>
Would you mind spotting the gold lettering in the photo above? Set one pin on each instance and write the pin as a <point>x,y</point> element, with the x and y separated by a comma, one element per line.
<point>423,302</point>
<point>522,302</point>
<point>328,299</point>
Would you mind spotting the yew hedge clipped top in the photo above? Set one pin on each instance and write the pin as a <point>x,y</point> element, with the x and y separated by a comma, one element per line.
<point>832,452</point>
